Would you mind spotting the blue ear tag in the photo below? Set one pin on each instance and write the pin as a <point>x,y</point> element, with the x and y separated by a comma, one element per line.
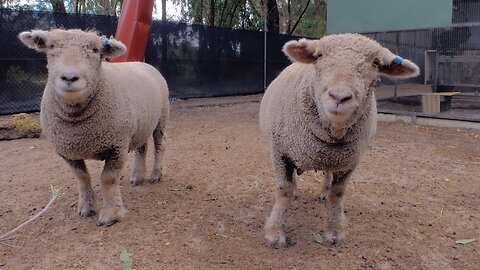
<point>398,60</point>
<point>107,42</point>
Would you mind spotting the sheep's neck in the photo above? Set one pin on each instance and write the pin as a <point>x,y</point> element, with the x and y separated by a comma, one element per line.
<point>324,130</point>
<point>78,112</point>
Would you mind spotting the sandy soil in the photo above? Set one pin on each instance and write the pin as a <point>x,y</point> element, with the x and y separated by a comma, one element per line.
<point>415,193</point>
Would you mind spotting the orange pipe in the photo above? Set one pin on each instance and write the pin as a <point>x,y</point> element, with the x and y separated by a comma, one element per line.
<point>133,29</point>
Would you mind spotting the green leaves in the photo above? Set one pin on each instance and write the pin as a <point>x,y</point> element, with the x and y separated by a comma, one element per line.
<point>319,238</point>
<point>126,258</point>
<point>465,241</point>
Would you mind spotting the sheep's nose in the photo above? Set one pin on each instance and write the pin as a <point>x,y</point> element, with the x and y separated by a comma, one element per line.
<point>69,77</point>
<point>340,96</point>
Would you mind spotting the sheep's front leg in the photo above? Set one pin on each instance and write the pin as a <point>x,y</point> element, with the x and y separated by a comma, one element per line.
<point>335,214</point>
<point>284,194</point>
<point>85,191</point>
<point>159,142</point>
<point>327,182</point>
<point>112,208</point>
<point>139,165</point>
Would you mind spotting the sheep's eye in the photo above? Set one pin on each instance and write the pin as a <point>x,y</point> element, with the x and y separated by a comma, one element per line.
<point>319,55</point>
<point>95,50</point>
<point>376,62</point>
<point>51,46</point>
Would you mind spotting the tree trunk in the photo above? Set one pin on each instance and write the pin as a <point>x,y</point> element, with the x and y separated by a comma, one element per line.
<point>105,7</point>
<point>234,10</point>
<point>75,7</point>
<point>289,16</point>
<point>58,6</point>
<point>321,11</point>
<point>273,18</point>
<point>211,13</point>
<point>164,10</point>
<point>222,18</point>
<point>198,17</point>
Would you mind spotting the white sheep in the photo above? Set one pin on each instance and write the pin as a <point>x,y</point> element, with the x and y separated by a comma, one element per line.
<point>320,114</point>
<point>92,109</point>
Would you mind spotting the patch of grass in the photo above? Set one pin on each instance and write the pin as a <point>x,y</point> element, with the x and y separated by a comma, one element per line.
<point>25,122</point>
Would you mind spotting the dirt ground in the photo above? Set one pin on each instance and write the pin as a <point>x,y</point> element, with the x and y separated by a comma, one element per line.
<point>415,193</point>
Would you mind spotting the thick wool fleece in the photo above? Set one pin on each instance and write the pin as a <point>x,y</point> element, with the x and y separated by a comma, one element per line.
<point>292,118</point>
<point>92,109</point>
<point>320,114</point>
<point>129,101</point>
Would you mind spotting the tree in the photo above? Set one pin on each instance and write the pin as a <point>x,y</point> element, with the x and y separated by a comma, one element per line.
<point>164,10</point>
<point>58,6</point>
<point>273,17</point>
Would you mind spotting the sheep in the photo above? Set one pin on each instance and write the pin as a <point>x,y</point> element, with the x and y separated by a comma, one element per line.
<point>93,109</point>
<point>320,114</point>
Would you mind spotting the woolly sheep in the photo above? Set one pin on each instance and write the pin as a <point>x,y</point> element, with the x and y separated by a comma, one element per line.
<point>320,114</point>
<point>92,109</point>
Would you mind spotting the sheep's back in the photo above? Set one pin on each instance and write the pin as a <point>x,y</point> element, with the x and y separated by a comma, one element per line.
<point>145,95</point>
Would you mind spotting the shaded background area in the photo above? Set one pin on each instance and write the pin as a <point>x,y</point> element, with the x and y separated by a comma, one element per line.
<point>197,60</point>
<point>205,61</point>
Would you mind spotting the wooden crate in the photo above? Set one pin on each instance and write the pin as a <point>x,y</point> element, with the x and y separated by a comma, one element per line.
<point>434,103</point>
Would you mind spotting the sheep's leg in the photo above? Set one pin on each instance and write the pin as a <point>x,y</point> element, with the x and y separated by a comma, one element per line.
<point>160,142</point>
<point>284,194</point>
<point>86,196</point>
<point>112,208</point>
<point>335,214</point>
<point>139,165</point>
<point>327,182</point>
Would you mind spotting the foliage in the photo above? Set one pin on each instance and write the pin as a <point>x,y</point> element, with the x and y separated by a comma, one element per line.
<point>297,17</point>
<point>126,259</point>
<point>100,7</point>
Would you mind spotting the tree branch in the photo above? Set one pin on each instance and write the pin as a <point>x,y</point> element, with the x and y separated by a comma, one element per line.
<point>7,235</point>
<point>299,18</point>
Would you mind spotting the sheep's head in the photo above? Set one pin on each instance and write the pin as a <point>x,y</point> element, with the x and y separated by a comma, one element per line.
<point>346,69</point>
<point>74,59</point>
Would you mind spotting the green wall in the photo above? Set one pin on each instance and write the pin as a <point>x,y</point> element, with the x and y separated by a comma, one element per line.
<point>376,15</point>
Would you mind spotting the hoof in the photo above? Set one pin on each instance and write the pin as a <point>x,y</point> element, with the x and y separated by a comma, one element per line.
<point>87,213</point>
<point>335,238</point>
<point>323,197</point>
<point>275,238</point>
<point>155,180</point>
<point>136,182</point>
<point>110,216</point>
<point>107,223</point>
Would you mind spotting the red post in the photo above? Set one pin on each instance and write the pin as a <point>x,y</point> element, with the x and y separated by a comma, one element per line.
<point>134,28</point>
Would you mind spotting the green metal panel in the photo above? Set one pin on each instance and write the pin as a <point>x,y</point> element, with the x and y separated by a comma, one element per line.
<point>377,15</point>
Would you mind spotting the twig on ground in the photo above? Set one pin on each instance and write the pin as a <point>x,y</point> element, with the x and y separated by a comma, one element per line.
<point>435,220</point>
<point>8,235</point>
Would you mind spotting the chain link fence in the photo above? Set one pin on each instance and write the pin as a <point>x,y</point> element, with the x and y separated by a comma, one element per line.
<point>201,61</point>
<point>196,60</point>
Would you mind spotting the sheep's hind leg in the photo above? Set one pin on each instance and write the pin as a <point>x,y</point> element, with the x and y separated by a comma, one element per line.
<point>327,182</point>
<point>139,165</point>
<point>85,195</point>
<point>284,194</point>
<point>335,214</point>
<point>112,208</point>
<point>159,142</point>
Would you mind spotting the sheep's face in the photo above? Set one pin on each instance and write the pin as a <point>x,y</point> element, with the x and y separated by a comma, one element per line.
<point>347,67</point>
<point>74,59</point>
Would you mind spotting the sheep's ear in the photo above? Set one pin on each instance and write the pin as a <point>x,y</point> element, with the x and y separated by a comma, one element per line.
<point>396,67</point>
<point>112,47</point>
<point>35,39</point>
<point>303,51</point>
